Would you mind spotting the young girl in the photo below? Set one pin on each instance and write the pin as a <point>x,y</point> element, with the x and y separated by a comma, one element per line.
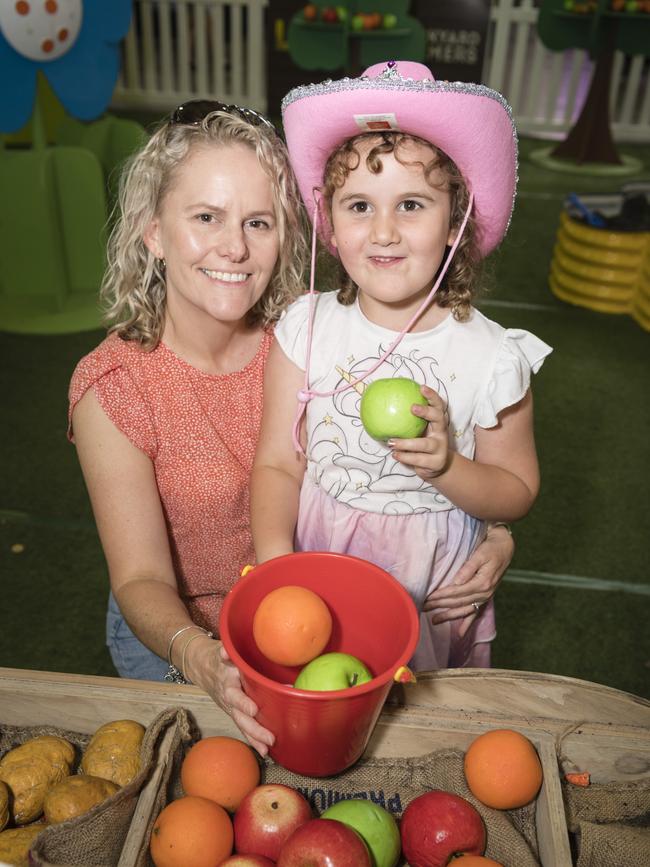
<point>411,182</point>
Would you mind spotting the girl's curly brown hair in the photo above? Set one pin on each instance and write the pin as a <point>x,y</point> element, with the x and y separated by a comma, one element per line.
<point>460,282</point>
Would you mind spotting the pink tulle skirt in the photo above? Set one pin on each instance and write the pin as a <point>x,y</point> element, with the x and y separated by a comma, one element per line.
<point>422,550</point>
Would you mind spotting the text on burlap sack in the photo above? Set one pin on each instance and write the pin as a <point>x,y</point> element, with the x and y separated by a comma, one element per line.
<point>321,799</point>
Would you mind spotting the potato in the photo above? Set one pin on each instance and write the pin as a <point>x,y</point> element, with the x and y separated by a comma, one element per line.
<point>76,795</point>
<point>15,843</point>
<point>4,805</point>
<point>30,770</point>
<point>55,749</point>
<point>114,751</point>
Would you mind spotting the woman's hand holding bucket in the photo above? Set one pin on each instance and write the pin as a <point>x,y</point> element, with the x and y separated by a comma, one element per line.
<point>225,688</point>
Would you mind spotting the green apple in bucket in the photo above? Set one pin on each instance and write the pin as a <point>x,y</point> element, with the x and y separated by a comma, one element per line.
<point>333,671</point>
<point>386,409</point>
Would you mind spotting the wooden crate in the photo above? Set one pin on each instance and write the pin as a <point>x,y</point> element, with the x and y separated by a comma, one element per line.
<point>603,730</point>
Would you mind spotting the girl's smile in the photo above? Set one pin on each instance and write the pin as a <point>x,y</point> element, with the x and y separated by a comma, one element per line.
<point>386,261</point>
<point>391,231</point>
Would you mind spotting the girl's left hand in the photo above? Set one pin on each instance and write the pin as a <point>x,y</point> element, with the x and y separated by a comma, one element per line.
<point>429,454</point>
<point>476,581</point>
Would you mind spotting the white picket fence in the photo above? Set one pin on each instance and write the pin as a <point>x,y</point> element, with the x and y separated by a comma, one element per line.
<point>182,49</point>
<point>546,89</point>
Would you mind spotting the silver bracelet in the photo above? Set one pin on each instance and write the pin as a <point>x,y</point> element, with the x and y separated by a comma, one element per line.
<point>174,674</point>
<point>186,645</point>
<point>175,636</point>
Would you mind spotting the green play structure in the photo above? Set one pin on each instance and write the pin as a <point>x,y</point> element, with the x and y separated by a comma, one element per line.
<point>58,187</point>
<point>59,154</point>
<point>354,35</point>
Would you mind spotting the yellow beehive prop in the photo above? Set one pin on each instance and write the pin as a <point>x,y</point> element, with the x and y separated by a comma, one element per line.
<point>603,270</point>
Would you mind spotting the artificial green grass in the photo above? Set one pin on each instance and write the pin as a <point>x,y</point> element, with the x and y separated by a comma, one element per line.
<point>592,410</point>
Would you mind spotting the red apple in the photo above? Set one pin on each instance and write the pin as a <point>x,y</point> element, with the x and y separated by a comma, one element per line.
<point>437,825</point>
<point>247,861</point>
<point>329,14</point>
<point>324,843</point>
<point>267,816</point>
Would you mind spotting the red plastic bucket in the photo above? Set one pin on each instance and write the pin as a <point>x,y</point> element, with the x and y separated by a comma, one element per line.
<point>322,733</point>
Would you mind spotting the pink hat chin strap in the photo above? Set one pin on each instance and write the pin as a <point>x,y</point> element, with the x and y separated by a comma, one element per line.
<point>306,394</point>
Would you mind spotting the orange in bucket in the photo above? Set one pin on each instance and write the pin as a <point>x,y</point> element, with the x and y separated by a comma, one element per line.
<point>292,625</point>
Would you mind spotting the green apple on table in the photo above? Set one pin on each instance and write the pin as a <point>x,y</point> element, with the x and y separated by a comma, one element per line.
<point>372,822</point>
<point>386,409</point>
<point>331,671</point>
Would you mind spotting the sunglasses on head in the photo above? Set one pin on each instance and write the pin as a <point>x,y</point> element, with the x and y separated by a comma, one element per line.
<point>195,111</point>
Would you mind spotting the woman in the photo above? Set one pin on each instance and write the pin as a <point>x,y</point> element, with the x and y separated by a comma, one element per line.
<point>207,250</point>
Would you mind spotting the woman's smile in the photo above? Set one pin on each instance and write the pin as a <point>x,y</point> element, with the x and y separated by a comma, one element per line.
<point>226,276</point>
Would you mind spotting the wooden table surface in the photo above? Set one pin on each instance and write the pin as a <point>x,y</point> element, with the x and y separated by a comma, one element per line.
<point>553,701</point>
<point>573,723</point>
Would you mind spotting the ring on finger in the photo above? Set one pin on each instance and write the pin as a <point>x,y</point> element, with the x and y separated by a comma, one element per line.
<point>477,606</point>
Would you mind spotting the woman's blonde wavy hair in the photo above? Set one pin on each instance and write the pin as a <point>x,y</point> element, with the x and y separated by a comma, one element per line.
<point>133,290</point>
<point>460,282</point>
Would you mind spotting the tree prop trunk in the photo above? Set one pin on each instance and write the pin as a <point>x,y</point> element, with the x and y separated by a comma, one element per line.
<point>590,139</point>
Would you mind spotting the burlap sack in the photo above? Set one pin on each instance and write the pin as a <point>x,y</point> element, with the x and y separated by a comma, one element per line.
<point>96,838</point>
<point>609,824</point>
<point>393,783</point>
<point>168,790</point>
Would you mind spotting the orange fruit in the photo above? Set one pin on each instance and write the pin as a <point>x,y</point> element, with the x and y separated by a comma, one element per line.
<point>192,831</point>
<point>292,625</point>
<point>502,769</point>
<point>475,861</point>
<point>222,769</point>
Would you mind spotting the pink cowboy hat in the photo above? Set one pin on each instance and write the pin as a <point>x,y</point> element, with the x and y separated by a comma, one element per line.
<point>469,122</point>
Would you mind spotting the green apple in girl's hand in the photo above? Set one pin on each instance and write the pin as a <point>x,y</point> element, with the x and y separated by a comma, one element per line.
<point>333,671</point>
<point>386,409</point>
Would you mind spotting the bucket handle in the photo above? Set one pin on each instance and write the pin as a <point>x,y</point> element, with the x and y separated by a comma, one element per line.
<point>404,675</point>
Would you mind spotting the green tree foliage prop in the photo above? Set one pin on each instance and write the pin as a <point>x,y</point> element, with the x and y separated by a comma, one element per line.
<point>600,27</point>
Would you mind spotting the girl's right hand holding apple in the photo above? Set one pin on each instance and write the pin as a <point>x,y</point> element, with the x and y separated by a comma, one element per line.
<point>428,455</point>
